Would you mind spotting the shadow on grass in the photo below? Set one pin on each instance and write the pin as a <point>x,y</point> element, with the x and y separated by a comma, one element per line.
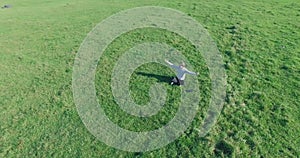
<point>160,78</point>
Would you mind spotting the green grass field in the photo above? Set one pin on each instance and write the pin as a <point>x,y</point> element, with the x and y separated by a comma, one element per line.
<point>259,42</point>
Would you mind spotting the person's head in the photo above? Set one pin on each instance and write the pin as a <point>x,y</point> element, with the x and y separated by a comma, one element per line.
<point>182,65</point>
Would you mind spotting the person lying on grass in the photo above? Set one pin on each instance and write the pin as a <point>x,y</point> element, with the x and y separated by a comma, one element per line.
<point>181,71</point>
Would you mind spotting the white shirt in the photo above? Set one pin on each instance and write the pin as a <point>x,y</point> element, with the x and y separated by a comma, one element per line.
<point>181,71</point>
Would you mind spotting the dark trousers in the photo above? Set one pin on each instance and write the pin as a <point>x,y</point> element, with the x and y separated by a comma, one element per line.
<point>177,81</point>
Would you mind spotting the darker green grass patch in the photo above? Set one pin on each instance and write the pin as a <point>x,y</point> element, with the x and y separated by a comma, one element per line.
<point>224,149</point>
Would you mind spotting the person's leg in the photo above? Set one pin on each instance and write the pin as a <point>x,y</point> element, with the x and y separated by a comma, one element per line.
<point>177,81</point>
<point>181,82</point>
<point>174,81</point>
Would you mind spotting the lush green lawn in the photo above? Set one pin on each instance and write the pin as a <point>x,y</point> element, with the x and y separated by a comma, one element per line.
<point>259,42</point>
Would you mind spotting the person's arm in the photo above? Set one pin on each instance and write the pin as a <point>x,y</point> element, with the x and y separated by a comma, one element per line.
<point>171,64</point>
<point>191,72</point>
